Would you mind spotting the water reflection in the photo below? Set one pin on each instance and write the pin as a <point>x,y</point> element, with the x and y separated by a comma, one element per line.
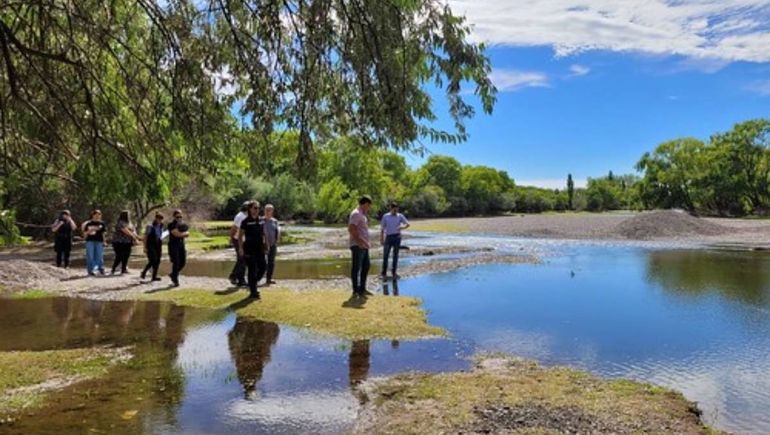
<point>150,386</point>
<point>358,362</point>
<point>251,342</point>
<point>739,276</point>
<point>386,288</point>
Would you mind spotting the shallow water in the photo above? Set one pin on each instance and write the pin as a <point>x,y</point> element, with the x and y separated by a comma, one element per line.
<point>694,320</point>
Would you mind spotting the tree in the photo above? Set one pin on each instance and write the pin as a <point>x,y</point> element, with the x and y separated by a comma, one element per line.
<point>441,171</point>
<point>146,88</point>
<point>570,192</point>
<point>483,188</point>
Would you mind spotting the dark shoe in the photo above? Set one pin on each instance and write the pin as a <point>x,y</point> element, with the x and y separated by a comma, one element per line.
<point>233,281</point>
<point>91,274</point>
<point>174,284</point>
<point>124,272</point>
<point>143,275</point>
<point>270,281</point>
<point>101,272</point>
<point>242,284</point>
<point>255,295</point>
<point>383,276</point>
<point>157,279</point>
<point>366,293</point>
<point>396,276</point>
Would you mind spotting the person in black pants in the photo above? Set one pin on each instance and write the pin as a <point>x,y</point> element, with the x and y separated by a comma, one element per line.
<point>122,241</point>
<point>153,246</point>
<point>238,274</point>
<point>251,245</point>
<point>177,232</point>
<point>62,245</point>
<point>358,229</point>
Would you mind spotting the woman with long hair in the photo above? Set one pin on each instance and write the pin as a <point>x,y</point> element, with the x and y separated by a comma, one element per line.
<point>122,240</point>
<point>93,230</point>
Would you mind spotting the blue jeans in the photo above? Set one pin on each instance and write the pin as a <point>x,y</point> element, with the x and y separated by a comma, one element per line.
<point>94,256</point>
<point>392,241</point>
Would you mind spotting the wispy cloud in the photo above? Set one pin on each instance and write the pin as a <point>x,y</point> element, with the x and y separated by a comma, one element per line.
<point>508,80</point>
<point>710,31</point>
<point>761,87</point>
<point>578,70</point>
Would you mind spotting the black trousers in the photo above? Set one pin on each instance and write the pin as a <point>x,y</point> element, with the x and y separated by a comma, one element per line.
<point>271,253</point>
<point>62,247</point>
<point>122,254</point>
<point>359,268</point>
<point>178,256</point>
<point>239,270</point>
<point>153,260</point>
<point>255,264</point>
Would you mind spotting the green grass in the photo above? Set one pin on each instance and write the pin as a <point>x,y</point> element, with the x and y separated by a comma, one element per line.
<point>31,294</point>
<point>447,403</point>
<point>201,242</point>
<point>324,311</point>
<point>21,371</point>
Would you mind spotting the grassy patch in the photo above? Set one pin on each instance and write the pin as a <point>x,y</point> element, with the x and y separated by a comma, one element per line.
<point>26,377</point>
<point>532,399</point>
<point>201,242</point>
<point>330,312</point>
<point>439,226</point>
<point>31,294</point>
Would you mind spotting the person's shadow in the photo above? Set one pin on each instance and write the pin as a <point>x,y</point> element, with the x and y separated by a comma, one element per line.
<point>356,302</point>
<point>243,303</point>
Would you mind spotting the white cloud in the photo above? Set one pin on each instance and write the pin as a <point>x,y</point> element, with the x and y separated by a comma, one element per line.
<point>552,183</point>
<point>701,30</point>
<point>761,87</point>
<point>507,80</point>
<point>578,70</point>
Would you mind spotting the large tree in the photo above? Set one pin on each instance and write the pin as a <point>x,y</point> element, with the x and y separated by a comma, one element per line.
<point>146,87</point>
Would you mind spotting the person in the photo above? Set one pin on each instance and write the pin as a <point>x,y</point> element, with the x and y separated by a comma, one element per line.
<point>237,276</point>
<point>93,230</point>
<point>122,241</point>
<point>251,342</point>
<point>358,230</point>
<point>390,237</point>
<point>62,245</point>
<point>272,237</point>
<point>153,246</point>
<point>251,246</point>
<point>178,230</point>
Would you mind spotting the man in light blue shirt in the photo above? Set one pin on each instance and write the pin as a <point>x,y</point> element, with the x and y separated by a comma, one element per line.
<point>390,236</point>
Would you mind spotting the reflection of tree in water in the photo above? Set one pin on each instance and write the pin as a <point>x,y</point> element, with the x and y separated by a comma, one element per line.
<point>358,363</point>
<point>251,342</point>
<point>151,384</point>
<point>739,276</point>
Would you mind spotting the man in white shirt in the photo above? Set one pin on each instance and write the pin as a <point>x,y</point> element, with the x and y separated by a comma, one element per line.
<point>238,275</point>
<point>390,236</point>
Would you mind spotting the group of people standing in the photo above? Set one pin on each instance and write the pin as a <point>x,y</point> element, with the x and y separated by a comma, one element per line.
<point>255,241</point>
<point>253,237</point>
<point>124,238</point>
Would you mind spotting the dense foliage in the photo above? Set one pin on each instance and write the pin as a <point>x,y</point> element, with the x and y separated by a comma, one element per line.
<point>137,103</point>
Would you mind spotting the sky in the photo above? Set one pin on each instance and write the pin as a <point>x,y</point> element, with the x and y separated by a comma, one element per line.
<point>588,86</point>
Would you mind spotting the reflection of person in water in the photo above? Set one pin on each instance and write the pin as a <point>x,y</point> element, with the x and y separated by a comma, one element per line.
<point>386,288</point>
<point>250,345</point>
<point>359,362</point>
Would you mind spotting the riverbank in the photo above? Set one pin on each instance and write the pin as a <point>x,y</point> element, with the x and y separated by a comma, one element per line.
<point>510,395</point>
<point>625,226</point>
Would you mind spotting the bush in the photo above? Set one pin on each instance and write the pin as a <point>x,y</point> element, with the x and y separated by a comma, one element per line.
<point>335,200</point>
<point>9,232</point>
<point>428,201</point>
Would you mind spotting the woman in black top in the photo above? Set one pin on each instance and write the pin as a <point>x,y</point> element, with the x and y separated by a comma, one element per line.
<point>178,231</point>
<point>153,246</point>
<point>251,246</point>
<point>122,240</point>
<point>62,229</point>
<point>93,231</point>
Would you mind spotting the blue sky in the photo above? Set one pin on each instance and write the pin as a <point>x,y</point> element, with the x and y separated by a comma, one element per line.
<point>588,86</point>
